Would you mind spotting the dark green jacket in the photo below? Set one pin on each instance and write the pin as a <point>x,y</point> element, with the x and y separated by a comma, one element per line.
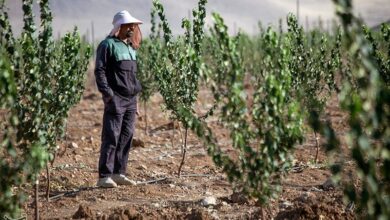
<point>116,70</point>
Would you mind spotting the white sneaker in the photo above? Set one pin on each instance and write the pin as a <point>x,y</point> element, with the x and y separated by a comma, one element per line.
<point>106,182</point>
<point>121,179</point>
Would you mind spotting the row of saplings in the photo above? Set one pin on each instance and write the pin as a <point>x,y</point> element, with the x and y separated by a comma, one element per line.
<point>284,67</point>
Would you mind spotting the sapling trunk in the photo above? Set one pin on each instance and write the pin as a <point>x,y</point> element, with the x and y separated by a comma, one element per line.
<point>66,131</point>
<point>184,152</point>
<point>47,182</point>
<point>262,212</point>
<point>181,136</point>
<point>317,147</point>
<point>36,199</point>
<point>173,135</point>
<point>146,119</point>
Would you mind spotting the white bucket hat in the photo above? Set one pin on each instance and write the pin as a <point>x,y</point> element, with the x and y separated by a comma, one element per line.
<point>122,17</point>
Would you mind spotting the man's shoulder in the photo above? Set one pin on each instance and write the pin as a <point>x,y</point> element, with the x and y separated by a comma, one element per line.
<point>111,42</point>
<point>106,41</point>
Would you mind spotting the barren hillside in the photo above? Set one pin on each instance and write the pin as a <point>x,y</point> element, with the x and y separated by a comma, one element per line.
<point>242,14</point>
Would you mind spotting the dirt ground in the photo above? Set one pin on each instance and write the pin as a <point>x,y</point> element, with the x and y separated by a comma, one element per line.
<point>306,192</point>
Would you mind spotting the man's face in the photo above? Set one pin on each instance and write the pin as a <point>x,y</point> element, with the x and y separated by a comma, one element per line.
<point>126,30</point>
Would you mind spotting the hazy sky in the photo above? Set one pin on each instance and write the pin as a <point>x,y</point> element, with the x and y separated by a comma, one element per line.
<point>243,14</point>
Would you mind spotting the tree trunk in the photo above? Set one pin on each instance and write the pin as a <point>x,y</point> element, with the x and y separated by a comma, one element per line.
<point>181,137</point>
<point>317,146</point>
<point>48,182</point>
<point>184,152</point>
<point>146,119</point>
<point>66,132</point>
<point>173,134</point>
<point>36,199</point>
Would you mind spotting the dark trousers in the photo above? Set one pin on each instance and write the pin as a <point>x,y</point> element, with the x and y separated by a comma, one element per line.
<point>117,136</point>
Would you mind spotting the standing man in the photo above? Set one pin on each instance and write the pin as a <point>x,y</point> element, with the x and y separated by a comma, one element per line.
<point>115,74</point>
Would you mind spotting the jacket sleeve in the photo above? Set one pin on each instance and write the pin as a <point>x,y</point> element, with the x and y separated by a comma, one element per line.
<point>101,70</point>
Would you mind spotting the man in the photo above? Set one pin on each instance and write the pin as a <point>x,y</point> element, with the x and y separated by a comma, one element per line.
<point>115,74</point>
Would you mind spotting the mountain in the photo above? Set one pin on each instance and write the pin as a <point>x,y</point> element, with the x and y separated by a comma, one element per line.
<point>242,14</point>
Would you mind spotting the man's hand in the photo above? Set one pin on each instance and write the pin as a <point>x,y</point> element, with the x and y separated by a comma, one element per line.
<point>136,110</point>
<point>107,99</point>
